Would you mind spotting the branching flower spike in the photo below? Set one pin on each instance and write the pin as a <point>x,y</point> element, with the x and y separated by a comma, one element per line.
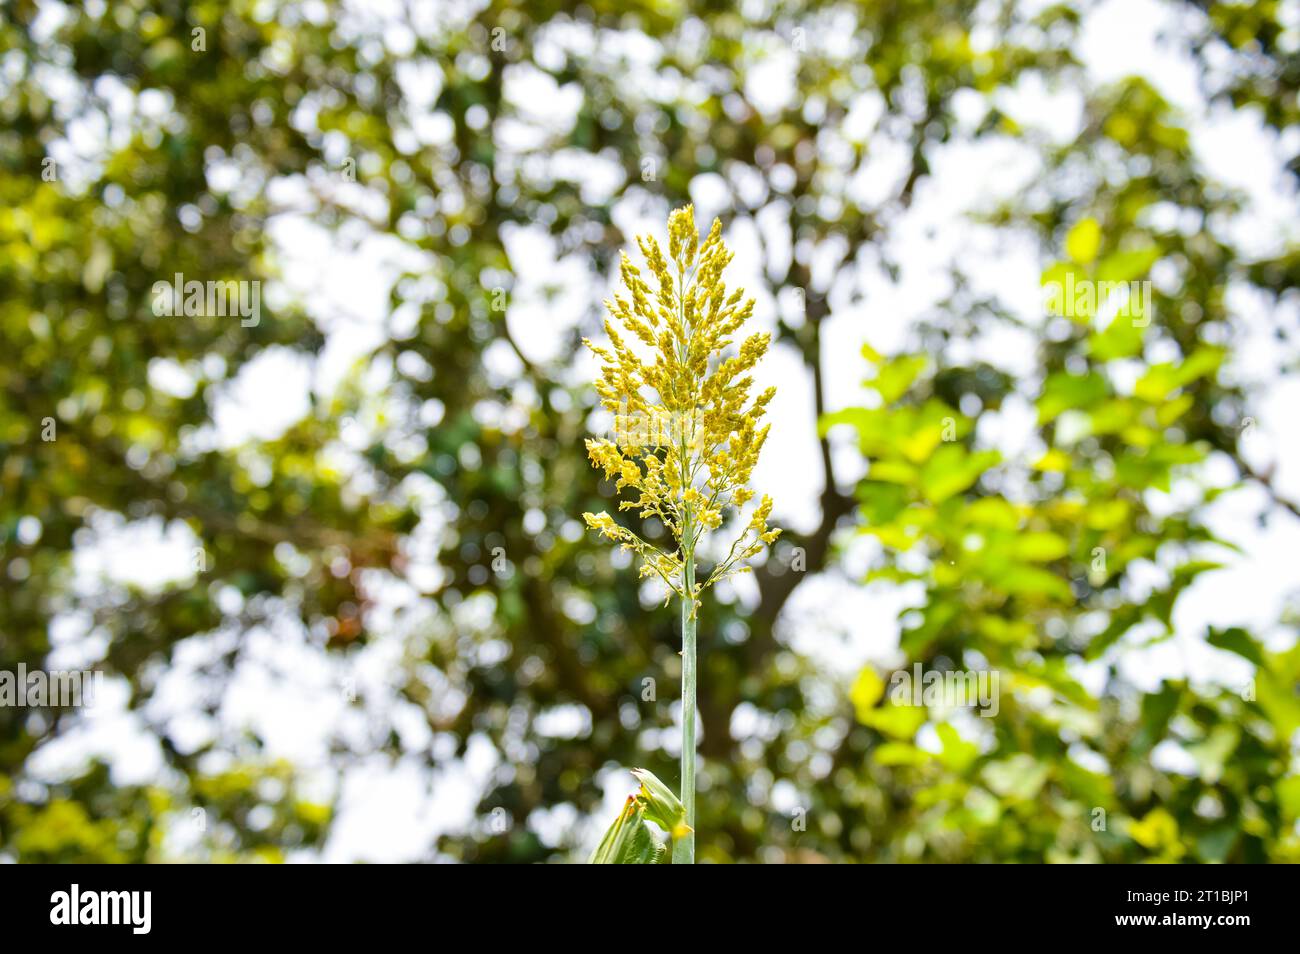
<point>687,433</point>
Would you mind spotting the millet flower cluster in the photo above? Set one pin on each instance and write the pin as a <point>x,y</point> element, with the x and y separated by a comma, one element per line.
<point>687,435</point>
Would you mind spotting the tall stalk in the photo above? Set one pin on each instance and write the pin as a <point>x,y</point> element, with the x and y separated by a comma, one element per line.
<point>691,459</point>
<point>684,847</point>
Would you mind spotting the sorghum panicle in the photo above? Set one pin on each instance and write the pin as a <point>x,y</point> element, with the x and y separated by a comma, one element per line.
<point>687,435</point>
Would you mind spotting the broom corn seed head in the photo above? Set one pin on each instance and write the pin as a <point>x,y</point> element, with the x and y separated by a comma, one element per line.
<point>687,432</point>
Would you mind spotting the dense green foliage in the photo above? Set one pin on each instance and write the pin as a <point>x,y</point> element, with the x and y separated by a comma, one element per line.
<point>304,535</point>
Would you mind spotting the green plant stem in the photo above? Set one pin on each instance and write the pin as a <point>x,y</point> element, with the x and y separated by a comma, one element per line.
<point>684,847</point>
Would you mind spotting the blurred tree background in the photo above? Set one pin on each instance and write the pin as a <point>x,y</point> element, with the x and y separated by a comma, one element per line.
<point>409,544</point>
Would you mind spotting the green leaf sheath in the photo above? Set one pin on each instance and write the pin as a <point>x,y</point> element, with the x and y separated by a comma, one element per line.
<point>628,841</point>
<point>662,806</point>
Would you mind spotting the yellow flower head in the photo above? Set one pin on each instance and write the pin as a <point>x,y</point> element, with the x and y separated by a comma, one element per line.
<point>687,433</point>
